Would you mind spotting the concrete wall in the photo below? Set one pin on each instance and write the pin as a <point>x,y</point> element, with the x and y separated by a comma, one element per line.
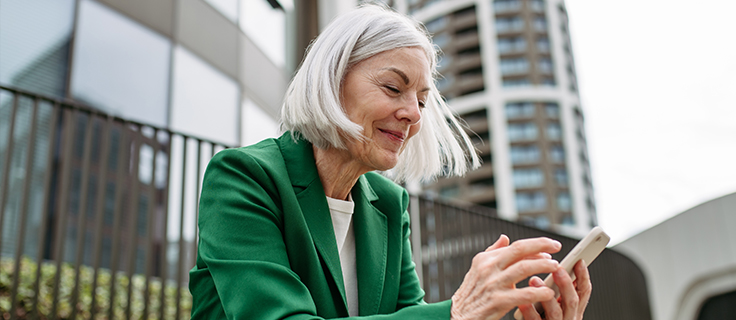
<point>688,258</point>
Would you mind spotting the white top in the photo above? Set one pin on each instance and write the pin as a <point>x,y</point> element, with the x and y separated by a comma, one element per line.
<point>342,223</point>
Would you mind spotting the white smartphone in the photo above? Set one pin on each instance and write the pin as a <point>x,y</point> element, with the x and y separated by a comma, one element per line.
<point>587,249</point>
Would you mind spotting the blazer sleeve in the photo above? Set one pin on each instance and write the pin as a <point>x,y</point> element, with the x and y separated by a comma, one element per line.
<point>242,269</point>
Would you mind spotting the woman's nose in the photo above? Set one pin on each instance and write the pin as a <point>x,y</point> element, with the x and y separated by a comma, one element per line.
<point>410,111</point>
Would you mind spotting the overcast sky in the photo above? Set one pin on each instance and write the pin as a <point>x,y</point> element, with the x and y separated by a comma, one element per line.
<point>658,86</point>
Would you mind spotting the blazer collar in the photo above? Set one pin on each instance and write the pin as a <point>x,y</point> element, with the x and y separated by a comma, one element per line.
<point>369,224</point>
<point>371,247</point>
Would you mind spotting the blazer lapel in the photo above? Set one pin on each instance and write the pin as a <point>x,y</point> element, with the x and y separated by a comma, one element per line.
<point>371,247</point>
<point>308,188</point>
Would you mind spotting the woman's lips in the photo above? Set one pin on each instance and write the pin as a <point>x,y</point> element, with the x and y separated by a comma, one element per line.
<point>394,135</point>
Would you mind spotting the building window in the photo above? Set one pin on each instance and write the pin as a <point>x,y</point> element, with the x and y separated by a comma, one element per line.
<point>481,185</point>
<point>120,66</point>
<point>528,178</point>
<point>256,123</point>
<point>522,131</point>
<point>561,177</point>
<point>530,201</point>
<point>444,62</point>
<point>524,154</point>
<point>554,132</point>
<point>436,24</point>
<point>545,65</point>
<point>228,8</point>
<point>511,83</point>
<point>548,82</point>
<point>501,6</point>
<point>511,45</point>
<point>34,45</point>
<point>563,201</point>
<point>537,5</point>
<point>265,23</point>
<point>441,40</point>
<point>557,153</point>
<point>540,24</point>
<point>445,82</point>
<point>568,220</point>
<point>512,24</point>
<point>542,44</point>
<point>519,110</point>
<point>552,110</point>
<point>198,84</point>
<point>514,66</point>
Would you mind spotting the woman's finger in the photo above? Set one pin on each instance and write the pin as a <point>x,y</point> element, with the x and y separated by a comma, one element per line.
<point>552,309</point>
<point>503,241</point>
<point>583,286</point>
<point>527,295</point>
<point>521,249</point>
<point>541,255</point>
<point>568,295</point>
<point>529,313</point>
<point>526,268</point>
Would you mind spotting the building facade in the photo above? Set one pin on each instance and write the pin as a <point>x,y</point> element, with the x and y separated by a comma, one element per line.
<point>202,74</point>
<point>507,68</point>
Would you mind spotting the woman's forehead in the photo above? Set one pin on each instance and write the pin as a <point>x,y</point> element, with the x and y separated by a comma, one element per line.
<point>410,64</point>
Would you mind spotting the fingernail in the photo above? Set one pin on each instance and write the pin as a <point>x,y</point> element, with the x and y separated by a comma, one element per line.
<point>557,244</point>
<point>546,255</point>
<point>537,282</point>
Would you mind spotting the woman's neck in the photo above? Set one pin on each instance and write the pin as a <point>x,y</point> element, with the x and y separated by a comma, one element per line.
<point>337,171</point>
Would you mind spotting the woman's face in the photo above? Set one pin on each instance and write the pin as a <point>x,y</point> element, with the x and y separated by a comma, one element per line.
<point>385,95</point>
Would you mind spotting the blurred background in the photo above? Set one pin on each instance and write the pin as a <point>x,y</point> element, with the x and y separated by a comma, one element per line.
<point>614,114</point>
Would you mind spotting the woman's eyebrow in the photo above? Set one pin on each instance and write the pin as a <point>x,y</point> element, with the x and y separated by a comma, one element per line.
<point>400,73</point>
<point>403,76</point>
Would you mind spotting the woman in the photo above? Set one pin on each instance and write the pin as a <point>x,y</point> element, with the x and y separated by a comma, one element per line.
<point>301,227</point>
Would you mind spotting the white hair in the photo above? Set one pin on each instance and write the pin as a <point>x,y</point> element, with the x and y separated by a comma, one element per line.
<point>312,105</point>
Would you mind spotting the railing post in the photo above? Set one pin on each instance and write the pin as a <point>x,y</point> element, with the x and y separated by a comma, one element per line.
<point>24,208</point>
<point>45,208</point>
<point>179,270</point>
<point>63,202</point>
<point>122,172</point>
<point>82,213</point>
<point>6,166</point>
<point>100,211</point>
<point>416,237</point>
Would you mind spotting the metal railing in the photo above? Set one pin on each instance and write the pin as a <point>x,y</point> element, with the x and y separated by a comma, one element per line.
<point>97,212</point>
<point>451,235</point>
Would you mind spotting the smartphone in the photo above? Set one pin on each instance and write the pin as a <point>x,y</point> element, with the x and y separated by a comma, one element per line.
<point>587,249</point>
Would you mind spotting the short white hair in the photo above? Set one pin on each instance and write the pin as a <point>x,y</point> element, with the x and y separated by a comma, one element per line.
<point>312,107</point>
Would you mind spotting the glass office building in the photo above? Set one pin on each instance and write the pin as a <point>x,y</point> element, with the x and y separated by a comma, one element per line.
<point>215,70</point>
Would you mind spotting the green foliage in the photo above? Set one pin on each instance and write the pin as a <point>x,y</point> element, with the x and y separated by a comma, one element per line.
<point>26,293</point>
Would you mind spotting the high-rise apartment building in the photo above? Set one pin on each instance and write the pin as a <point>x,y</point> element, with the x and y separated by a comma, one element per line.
<point>508,70</point>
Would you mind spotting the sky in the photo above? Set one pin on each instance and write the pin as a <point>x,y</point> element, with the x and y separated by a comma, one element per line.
<point>657,81</point>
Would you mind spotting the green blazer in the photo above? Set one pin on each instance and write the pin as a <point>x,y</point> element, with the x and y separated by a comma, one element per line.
<point>267,249</point>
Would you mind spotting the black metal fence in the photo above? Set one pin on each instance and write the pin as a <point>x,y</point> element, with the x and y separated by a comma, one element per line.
<point>451,236</point>
<point>98,213</point>
<point>97,220</point>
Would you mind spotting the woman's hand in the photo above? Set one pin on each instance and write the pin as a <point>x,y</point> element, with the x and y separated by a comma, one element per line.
<point>573,298</point>
<point>489,288</point>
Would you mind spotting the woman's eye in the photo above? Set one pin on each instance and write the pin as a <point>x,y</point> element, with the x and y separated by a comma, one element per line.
<point>421,104</point>
<point>392,89</point>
